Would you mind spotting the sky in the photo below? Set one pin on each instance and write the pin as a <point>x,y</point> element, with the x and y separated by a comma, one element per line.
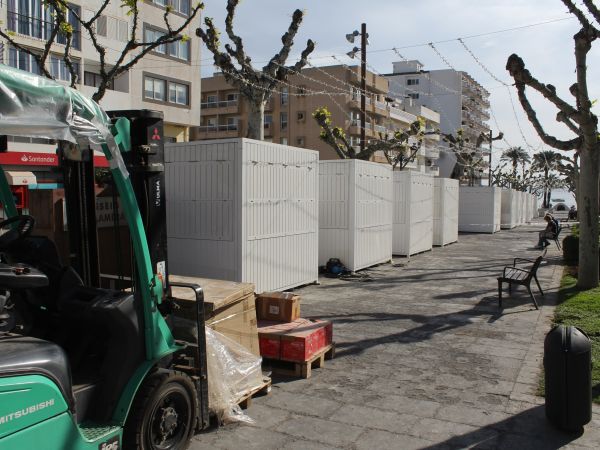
<point>409,26</point>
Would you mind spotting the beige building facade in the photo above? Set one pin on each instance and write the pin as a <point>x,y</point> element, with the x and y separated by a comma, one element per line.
<point>288,114</point>
<point>167,79</point>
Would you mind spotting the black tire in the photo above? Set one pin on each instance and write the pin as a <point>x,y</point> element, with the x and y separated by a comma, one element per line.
<point>163,415</point>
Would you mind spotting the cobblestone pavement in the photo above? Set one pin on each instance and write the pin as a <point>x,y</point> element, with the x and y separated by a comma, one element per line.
<point>425,359</point>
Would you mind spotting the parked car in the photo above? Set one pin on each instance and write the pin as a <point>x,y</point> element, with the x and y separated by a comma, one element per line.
<point>560,211</point>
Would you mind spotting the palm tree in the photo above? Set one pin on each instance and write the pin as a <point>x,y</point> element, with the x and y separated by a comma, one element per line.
<point>545,162</point>
<point>516,156</point>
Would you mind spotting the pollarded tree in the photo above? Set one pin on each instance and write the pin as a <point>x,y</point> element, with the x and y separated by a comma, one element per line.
<point>255,85</point>
<point>545,162</point>
<point>400,149</point>
<point>469,159</point>
<point>63,27</point>
<point>583,123</point>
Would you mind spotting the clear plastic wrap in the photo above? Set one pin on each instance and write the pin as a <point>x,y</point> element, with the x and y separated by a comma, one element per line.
<point>35,106</point>
<point>232,373</point>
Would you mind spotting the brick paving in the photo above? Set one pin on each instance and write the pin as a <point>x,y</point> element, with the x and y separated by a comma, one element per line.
<point>425,360</point>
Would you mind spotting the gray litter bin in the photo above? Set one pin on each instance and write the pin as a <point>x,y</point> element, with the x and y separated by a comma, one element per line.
<point>568,372</point>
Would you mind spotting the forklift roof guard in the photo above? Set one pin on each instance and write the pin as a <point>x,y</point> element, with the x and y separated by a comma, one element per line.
<point>35,106</point>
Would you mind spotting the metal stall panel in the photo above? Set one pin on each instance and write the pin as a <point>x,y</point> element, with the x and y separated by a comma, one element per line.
<point>203,182</point>
<point>243,210</point>
<point>335,235</point>
<point>445,211</point>
<point>510,204</point>
<point>372,211</point>
<point>479,209</point>
<point>280,225</point>
<point>413,213</point>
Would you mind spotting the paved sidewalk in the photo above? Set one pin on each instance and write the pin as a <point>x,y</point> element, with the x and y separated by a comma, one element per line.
<point>425,360</point>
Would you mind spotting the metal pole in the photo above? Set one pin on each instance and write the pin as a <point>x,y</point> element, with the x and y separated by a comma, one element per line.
<point>363,85</point>
<point>490,167</point>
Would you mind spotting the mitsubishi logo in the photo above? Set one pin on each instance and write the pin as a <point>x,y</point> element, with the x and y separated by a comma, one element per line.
<point>155,135</point>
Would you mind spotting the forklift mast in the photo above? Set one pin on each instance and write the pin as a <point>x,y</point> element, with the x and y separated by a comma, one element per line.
<point>145,164</point>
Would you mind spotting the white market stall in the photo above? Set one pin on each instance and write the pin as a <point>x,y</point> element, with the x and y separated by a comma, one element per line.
<point>413,213</point>
<point>510,209</point>
<point>479,209</point>
<point>243,210</point>
<point>445,211</point>
<point>355,212</point>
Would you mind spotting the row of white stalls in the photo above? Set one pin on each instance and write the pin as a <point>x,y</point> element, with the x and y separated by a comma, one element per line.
<point>484,209</point>
<point>270,214</point>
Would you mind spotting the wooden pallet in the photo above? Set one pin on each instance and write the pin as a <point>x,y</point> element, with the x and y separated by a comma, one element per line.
<point>301,369</point>
<point>258,391</point>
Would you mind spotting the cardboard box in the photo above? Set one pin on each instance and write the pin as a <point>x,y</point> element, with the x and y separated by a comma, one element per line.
<point>296,341</point>
<point>229,308</point>
<point>278,306</point>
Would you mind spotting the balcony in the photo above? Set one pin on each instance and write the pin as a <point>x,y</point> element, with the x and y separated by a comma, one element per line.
<point>40,29</point>
<point>381,129</point>
<point>432,170</point>
<point>221,107</point>
<point>430,152</point>
<point>402,116</point>
<point>218,131</point>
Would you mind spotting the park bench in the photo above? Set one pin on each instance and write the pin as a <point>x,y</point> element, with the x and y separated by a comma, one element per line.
<point>520,276</point>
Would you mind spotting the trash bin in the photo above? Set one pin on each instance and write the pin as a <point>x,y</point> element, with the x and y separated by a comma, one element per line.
<point>568,372</point>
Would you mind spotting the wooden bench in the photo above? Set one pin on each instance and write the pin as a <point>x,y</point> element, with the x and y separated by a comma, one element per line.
<point>520,276</point>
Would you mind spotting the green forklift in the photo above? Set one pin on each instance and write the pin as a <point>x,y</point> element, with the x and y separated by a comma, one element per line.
<point>84,367</point>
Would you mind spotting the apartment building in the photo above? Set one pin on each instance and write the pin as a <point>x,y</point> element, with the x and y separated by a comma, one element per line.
<point>461,101</point>
<point>288,114</point>
<point>167,79</point>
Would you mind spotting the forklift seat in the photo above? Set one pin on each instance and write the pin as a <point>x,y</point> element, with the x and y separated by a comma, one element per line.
<point>24,355</point>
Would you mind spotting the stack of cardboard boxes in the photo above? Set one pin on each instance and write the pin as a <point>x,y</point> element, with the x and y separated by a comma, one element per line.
<point>283,335</point>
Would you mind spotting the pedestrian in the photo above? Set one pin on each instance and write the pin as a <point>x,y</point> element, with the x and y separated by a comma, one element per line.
<point>549,232</point>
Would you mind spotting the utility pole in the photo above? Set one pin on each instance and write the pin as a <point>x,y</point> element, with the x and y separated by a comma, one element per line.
<point>490,167</point>
<point>363,85</point>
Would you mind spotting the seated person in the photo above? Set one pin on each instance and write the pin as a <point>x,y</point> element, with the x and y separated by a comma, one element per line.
<point>548,233</point>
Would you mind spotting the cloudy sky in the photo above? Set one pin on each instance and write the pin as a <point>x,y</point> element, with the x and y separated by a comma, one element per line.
<point>541,34</point>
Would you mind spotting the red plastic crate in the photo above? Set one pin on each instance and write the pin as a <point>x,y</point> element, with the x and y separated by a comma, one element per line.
<point>295,341</point>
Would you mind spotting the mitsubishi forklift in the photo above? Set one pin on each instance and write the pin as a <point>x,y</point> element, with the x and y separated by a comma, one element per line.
<point>85,367</point>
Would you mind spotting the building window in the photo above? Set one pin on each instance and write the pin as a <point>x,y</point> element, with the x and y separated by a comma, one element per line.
<point>151,35</point>
<point>179,93</point>
<point>157,88</point>
<point>301,91</point>
<point>412,81</point>
<point>300,116</point>
<point>283,118</point>
<point>33,18</point>
<point>283,141</point>
<point>24,61</point>
<point>94,80</point>
<point>232,97</point>
<point>179,6</point>
<point>179,49</point>
<point>300,141</point>
<point>268,120</point>
<point>413,95</point>
<point>154,88</point>
<point>59,69</point>
<point>284,96</point>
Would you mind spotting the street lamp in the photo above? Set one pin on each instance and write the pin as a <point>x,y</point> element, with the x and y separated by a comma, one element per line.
<point>350,37</point>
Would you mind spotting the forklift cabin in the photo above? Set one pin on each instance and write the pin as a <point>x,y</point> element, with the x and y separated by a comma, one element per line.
<point>81,366</point>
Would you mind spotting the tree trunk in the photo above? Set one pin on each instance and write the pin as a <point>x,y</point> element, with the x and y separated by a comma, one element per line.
<point>256,119</point>
<point>545,202</point>
<point>587,213</point>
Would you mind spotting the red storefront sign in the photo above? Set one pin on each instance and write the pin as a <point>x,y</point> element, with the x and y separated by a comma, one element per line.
<point>40,159</point>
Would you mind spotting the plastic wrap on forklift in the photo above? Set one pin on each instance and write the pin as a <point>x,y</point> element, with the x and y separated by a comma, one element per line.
<point>232,372</point>
<point>34,106</point>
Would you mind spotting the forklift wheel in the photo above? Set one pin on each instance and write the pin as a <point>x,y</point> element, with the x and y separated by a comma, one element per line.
<point>163,415</point>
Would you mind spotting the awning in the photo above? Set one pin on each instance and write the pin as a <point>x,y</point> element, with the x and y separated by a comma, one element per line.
<point>20,178</point>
